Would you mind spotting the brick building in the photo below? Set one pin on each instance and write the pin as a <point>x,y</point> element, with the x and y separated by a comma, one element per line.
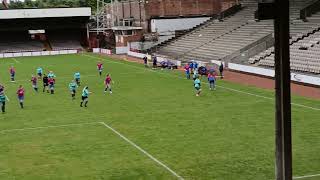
<point>132,19</point>
<point>140,12</point>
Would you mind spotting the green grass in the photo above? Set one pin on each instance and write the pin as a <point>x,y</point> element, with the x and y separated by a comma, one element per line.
<point>221,135</point>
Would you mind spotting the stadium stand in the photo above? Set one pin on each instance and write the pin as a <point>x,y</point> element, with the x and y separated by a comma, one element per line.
<point>222,40</point>
<point>63,40</point>
<point>218,39</point>
<point>61,29</point>
<point>304,48</point>
<point>18,42</point>
<point>304,54</point>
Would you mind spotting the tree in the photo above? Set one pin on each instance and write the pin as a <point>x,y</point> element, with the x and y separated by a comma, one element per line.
<point>28,4</point>
<point>16,4</point>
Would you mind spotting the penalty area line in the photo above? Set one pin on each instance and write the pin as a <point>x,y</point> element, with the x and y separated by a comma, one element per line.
<point>142,150</point>
<point>16,60</point>
<point>307,176</point>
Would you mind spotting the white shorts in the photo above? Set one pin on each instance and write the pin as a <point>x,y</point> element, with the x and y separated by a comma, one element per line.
<point>108,86</point>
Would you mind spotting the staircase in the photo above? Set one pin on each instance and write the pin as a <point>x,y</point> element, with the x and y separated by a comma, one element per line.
<point>47,45</point>
<point>225,40</point>
<point>229,12</point>
<point>218,39</point>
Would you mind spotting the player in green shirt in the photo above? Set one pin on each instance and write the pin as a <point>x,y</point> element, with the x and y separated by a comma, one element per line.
<point>77,78</point>
<point>85,96</point>
<point>73,87</point>
<point>197,85</point>
<point>3,99</point>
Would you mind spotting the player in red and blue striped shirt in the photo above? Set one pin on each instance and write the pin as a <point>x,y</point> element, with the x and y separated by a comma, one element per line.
<point>12,71</point>
<point>34,81</point>
<point>100,68</point>
<point>20,94</point>
<point>107,83</point>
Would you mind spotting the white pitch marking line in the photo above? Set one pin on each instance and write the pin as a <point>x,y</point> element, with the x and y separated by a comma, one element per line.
<point>47,127</point>
<point>308,176</point>
<point>142,150</point>
<point>230,89</point>
<point>16,60</point>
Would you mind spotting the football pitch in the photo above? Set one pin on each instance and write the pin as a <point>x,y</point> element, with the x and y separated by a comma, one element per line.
<point>151,127</point>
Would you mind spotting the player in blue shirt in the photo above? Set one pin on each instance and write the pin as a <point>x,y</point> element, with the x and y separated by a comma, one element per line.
<point>197,85</point>
<point>73,87</point>
<point>51,75</point>
<point>191,65</point>
<point>85,96</point>
<point>77,78</point>
<point>195,66</point>
<point>39,72</point>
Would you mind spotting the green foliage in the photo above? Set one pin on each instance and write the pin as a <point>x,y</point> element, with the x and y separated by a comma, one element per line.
<point>16,4</point>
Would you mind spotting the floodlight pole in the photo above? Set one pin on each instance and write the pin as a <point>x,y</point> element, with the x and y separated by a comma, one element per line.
<point>283,92</point>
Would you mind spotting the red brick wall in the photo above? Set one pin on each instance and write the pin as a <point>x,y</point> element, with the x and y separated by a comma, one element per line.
<point>167,8</point>
<point>172,8</point>
<point>123,40</point>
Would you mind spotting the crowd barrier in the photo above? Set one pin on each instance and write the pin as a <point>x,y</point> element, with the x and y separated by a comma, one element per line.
<point>39,53</point>
<point>122,50</point>
<point>270,73</point>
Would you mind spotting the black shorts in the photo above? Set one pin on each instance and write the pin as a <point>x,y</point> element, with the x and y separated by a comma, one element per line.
<point>39,74</point>
<point>84,98</point>
<point>45,84</point>
<point>73,91</point>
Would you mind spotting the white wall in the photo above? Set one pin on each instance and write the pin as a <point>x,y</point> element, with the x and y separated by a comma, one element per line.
<point>122,50</point>
<point>138,55</point>
<point>270,73</point>
<point>218,62</point>
<point>251,69</point>
<point>162,26</point>
<point>43,13</point>
<point>40,53</point>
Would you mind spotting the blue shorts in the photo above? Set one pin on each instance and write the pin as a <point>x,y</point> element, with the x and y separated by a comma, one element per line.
<point>21,98</point>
